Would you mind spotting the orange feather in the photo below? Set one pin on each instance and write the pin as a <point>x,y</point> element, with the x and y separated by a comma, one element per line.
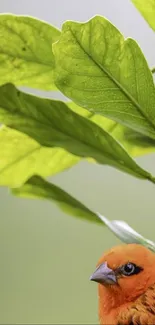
<point>126,289</point>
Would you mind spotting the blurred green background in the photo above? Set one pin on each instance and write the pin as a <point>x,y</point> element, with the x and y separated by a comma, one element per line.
<point>46,256</point>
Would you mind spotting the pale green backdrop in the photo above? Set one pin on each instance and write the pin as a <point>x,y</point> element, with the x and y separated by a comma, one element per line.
<point>47,257</point>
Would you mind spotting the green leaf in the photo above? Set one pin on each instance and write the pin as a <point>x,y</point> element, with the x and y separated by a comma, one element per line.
<point>36,187</point>
<point>16,166</point>
<point>125,233</point>
<point>26,57</point>
<point>52,124</point>
<point>21,157</point>
<point>135,143</point>
<point>147,10</point>
<point>105,74</point>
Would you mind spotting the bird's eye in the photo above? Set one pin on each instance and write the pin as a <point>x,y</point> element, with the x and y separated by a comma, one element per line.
<point>130,269</point>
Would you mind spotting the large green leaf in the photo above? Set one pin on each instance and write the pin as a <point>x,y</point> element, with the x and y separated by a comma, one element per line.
<point>26,57</point>
<point>36,187</point>
<point>135,143</point>
<point>52,124</point>
<point>147,9</point>
<point>21,157</point>
<point>106,74</point>
<point>16,166</point>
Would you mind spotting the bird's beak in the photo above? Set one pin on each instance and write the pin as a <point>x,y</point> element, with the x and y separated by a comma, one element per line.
<point>104,275</point>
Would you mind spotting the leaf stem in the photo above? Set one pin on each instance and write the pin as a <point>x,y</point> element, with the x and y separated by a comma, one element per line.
<point>153,70</point>
<point>152,179</point>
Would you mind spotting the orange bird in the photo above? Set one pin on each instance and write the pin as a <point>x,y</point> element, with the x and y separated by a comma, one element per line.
<point>126,286</point>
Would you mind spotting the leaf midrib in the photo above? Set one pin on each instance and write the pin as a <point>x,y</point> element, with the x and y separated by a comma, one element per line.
<point>129,96</point>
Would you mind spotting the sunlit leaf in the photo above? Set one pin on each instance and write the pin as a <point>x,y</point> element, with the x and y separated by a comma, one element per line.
<point>26,57</point>
<point>135,143</point>
<point>52,124</point>
<point>147,10</point>
<point>16,166</point>
<point>106,74</point>
<point>21,157</point>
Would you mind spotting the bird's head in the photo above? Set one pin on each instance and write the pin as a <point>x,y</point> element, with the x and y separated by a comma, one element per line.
<point>124,273</point>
